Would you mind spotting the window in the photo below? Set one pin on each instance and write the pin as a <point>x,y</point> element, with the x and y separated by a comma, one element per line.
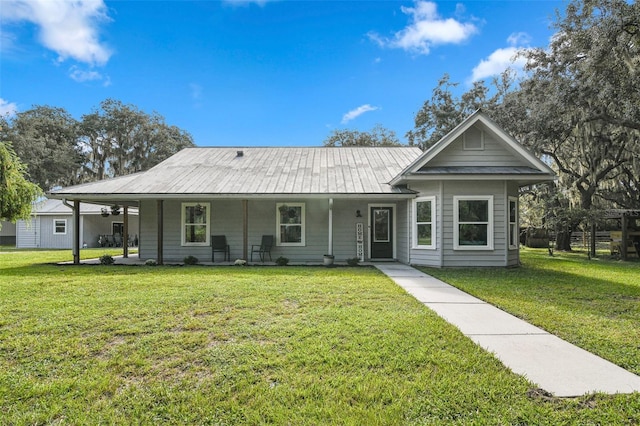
<point>290,224</point>
<point>513,223</point>
<point>381,225</point>
<point>196,219</point>
<point>60,226</point>
<point>473,223</point>
<point>423,223</point>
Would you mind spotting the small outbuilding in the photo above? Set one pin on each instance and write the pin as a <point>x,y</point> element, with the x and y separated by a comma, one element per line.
<point>51,226</point>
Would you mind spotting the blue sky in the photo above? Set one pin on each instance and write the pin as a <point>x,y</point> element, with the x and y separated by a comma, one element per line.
<point>258,73</point>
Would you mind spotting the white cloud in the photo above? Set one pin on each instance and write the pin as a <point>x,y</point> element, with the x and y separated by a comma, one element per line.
<point>426,29</point>
<point>82,75</point>
<point>354,113</point>
<point>8,108</point>
<point>504,58</point>
<point>519,39</point>
<point>68,27</point>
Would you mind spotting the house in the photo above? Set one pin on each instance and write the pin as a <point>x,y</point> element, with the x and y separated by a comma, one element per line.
<point>454,205</point>
<point>51,222</point>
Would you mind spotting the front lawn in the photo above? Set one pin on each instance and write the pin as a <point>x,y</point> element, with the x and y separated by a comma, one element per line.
<point>253,345</point>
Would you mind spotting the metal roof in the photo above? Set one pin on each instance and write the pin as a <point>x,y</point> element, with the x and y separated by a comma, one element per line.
<point>57,207</point>
<point>262,171</point>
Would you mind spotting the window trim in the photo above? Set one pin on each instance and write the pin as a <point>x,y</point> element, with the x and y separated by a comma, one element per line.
<point>516,224</point>
<point>183,224</point>
<point>457,223</point>
<point>55,232</point>
<point>302,225</point>
<point>432,200</point>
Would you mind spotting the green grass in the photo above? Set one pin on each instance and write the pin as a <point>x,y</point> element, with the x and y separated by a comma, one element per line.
<point>594,304</point>
<point>254,345</point>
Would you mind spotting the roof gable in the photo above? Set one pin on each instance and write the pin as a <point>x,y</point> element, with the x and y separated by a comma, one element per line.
<point>476,146</point>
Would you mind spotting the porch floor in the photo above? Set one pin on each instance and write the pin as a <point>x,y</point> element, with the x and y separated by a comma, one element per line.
<point>134,259</point>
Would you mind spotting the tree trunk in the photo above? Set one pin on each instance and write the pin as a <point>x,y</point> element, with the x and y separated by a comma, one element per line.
<point>563,238</point>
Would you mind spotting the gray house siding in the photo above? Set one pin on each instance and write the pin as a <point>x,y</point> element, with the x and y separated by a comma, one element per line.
<point>493,154</point>
<point>427,257</point>
<point>513,255</point>
<point>28,233</point>
<point>55,241</point>
<point>402,232</point>
<point>226,219</point>
<point>148,230</point>
<point>345,225</point>
<point>459,258</point>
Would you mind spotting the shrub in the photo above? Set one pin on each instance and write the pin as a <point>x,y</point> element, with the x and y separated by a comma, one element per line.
<point>353,261</point>
<point>151,262</point>
<point>106,259</point>
<point>282,261</point>
<point>190,260</point>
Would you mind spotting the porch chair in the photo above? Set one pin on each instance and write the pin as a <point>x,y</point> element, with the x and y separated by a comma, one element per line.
<point>219,244</point>
<point>264,247</point>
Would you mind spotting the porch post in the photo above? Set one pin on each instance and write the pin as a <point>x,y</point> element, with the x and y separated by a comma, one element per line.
<point>76,232</point>
<point>623,244</point>
<point>330,226</point>
<point>125,232</point>
<point>160,220</point>
<point>593,240</point>
<point>245,229</point>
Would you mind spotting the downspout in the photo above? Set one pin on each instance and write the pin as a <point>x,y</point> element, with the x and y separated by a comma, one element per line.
<point>331,226</point>
<point>76,229</point>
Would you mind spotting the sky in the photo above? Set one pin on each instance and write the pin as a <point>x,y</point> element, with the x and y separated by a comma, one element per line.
<point>259,73</point>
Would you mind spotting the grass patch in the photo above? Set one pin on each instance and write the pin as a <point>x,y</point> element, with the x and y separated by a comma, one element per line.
<point>225,345</point>
<point>594,304</point>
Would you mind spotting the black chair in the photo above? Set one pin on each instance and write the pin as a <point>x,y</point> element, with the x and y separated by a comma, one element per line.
<point>264,247</point>
<point>219,244</point>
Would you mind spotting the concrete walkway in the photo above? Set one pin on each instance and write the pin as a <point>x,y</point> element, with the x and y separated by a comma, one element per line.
<point>553,364</point>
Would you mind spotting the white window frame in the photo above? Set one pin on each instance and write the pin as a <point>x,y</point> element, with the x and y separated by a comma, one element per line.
<point>513,230</point>
<point>302,225</point>
<point>183,224</point>
<point>432,200</point>
<point>55,232</point>
<point>457,223</point>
